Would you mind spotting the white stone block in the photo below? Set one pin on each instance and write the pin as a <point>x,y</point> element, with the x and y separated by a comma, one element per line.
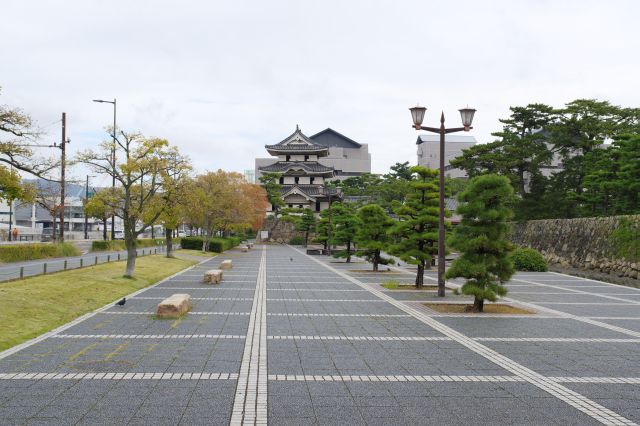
<point>213,276</point>
<point>226,264</point>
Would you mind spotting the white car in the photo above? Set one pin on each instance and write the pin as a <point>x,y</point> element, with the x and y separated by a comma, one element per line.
<point>118,235</point>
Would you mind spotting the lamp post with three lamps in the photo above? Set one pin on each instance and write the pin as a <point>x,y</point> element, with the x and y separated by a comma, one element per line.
<point>417,114</point>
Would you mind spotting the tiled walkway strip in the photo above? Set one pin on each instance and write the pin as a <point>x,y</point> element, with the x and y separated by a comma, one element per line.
<point>250,403</point>
<point>576,400</point>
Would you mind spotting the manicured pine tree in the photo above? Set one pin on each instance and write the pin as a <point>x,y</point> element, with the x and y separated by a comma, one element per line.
<point>324,228</point>
<point>372,235</point>
<point>416,231</point>
<point>306,224</point>
<point>481,239</point>
<point>346,226</point>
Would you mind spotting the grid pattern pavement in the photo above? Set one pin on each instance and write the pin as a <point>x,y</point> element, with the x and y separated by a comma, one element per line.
<point>294,339</point>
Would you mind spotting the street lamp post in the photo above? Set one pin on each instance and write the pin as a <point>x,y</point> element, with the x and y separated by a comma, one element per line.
<point>417,114</point>
<point>86,218</point>
<point>113,158</point>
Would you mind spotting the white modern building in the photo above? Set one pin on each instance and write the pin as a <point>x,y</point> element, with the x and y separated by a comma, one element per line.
<point>429,152</point>
<point>347,157</point>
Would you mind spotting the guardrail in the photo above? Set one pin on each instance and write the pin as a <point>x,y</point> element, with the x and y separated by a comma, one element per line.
<point>9,273</point>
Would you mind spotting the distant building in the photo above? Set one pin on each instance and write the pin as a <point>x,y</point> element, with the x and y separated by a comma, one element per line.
<point>347,157</point>
<point>250,175</point>
<point>303,177</point>
<point>429,152</point>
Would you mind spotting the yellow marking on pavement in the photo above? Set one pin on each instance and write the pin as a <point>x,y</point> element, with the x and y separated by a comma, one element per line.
<point>121,347</point>
<point>83,351</point>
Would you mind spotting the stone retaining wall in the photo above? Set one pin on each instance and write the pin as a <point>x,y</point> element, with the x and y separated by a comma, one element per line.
<point>282,232</point>
<point>584,243</point>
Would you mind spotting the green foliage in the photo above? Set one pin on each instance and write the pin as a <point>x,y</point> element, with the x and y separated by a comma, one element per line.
<point>115,245</point>
<point>306,223</point>
<point>372,235</point>
<point>346,224</point>
<point>528,259</point>
<point>296,241</point>
<point>481,238</point>
<point>595,179</point>
<point>626,239</point>
<point>216,244</point>
<point>271,184</point>
<point>416,231</point>
<point>23,252</point>
<point>376,190</point>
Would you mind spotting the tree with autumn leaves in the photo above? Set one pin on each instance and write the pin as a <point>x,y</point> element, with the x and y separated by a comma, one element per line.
<point>223,202</point>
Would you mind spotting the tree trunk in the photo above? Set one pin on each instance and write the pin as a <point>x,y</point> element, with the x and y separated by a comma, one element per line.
<point>131,244</point>
<point>376,260</point>
<point>104,228</point>
<point>306,238</point>
<point>348,252</point>
<point>420,275</point>
<point>478,304</point>
<point>169,234</point>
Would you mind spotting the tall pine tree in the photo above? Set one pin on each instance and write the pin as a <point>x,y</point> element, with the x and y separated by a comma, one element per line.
<point>346,226</point>
<point>481,239</point>
<point>416,231</point>
<point>372,235</point>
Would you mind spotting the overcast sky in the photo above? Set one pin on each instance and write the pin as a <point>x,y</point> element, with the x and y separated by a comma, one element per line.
<point>222,79</point>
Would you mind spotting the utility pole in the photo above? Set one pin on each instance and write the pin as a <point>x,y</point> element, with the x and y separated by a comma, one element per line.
<point>63,162</point>
<point>86,218</point>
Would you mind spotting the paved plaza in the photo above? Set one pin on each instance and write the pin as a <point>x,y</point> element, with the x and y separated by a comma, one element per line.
<point>294,339</point>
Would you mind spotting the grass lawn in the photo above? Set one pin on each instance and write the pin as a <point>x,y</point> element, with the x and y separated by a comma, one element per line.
<point>36,305</point>
<point>196,253</point>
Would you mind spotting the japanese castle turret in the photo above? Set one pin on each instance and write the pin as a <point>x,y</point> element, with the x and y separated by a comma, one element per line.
<point>302,178</point>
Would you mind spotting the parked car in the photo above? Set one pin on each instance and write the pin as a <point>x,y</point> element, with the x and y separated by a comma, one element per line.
<point>118,235</point>
<point>47,234</point>
<point>182,234</point>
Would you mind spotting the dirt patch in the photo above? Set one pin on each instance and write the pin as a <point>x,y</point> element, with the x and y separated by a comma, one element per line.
<point>462,308</point>
<point>392,286</point>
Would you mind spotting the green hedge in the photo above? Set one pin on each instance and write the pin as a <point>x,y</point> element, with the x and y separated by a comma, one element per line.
<point>528,259</point>
<point>21,252</point>
<point>115,245</point>
<point>216,244</point>
<point>297,241</point>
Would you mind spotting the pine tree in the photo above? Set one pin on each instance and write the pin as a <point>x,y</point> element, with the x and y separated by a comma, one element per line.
<point>481,238</point>
<point>324,228</point>
<point>372,235</point>
<point>306,224</point>
<point>416,231</point>
<point>346,226</point>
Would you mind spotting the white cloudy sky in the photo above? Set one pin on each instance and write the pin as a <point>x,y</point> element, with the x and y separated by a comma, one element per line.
<point>221,79</point>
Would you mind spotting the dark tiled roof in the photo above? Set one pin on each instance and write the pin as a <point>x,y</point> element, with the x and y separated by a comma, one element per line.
<point>310,190</point>
<point>329,137</point>
<point>282,166</point>
<point>297,147</point>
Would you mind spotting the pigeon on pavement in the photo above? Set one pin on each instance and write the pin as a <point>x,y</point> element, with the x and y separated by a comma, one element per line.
<point>291,259</point>
<point>122,302</point>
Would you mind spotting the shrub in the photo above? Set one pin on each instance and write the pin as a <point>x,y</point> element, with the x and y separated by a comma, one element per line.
<point>21,252</point>
<point>528,259</point>
<point>216,244</point>
<point>115,245</point>
<point>296,241</point>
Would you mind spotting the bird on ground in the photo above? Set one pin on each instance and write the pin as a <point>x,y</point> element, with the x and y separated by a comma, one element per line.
<point>291,259</point>
<point>121,302</point>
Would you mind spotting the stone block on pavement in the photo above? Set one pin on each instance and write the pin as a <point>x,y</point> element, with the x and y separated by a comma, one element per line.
<point>226,264</point>
<point>212,276</point>
<point>174,306</point>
